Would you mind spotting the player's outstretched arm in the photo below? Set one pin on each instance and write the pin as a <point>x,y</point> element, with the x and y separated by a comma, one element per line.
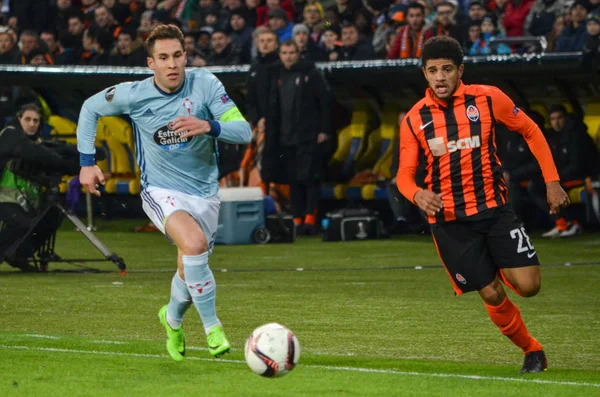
<point>112,101</point>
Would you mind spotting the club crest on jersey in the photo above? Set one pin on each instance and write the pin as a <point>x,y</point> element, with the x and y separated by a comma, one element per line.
<point>472,113</point>
<point>188,105</point>
<point>168,139</point>
<point>110,94</point>
<point>460,278</point>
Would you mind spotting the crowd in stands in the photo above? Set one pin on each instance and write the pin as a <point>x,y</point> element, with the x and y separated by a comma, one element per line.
<point>232,32</point>
<point>111,32</point>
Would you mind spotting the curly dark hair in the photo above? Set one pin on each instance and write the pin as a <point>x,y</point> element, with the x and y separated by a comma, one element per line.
<point>442,47</point>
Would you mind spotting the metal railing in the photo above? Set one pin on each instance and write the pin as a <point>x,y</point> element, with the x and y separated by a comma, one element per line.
<point>539,42</point>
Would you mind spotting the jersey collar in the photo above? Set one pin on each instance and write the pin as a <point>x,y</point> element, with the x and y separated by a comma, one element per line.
<point>169,93</point>
<point>432,100</point>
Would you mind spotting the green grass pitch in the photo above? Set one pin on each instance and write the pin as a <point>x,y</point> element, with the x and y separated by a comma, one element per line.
<point>373,318</point>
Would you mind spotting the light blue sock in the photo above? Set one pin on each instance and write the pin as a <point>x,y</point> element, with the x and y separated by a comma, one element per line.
<point>201,285</point>
<point>179,302</point>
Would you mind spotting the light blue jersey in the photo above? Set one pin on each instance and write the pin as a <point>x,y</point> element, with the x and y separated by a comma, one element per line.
<point>167,161</point>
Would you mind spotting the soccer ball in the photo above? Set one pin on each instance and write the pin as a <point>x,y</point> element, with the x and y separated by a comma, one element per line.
<point>272,350</point>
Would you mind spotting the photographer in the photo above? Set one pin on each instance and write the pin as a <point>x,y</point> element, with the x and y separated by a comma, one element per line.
<point>27,166</point>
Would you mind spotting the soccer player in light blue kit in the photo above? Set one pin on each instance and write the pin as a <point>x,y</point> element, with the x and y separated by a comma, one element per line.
<point>178,116</point>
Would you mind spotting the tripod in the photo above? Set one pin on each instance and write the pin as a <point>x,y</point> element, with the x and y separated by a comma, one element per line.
<point>40,258</point>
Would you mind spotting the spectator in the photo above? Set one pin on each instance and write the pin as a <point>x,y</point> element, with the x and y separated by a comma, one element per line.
<point>353,47</point>
<point>331,42</point>
<point>313,18</point>
<point>29,42</point>
<point>198,15</point>
<point>189,46</point>
<point>61,13</point>
<point>346,9</point>
<point>88,7</point>
<point>212,18</point>
<point>228,7</point>
<point>574,34</point>
<point>204,41</point>
<point>263,13</point>
<point>146,24</point>
<point>68,50</point>
<point>409,41</point>
<point>592,41</point>
<point>514,17</point>
<point>332,17</point>
<point>120,11</point>
<point>574,154</point>
<point>519,167</point>
<point>362,20</point>
<point>13,34</point>
<point>129,50</point>
<point>297,124</point>
<point>40,58</point>
<point>106,22</point>
<point>542,16</point>
<point>76,29</point>
<point>489,31</point>
<point>444,23</point>
<point>48,36</point>
<point>497,8</point>
<point>384,28</point>
<point>9,54</point>
<point>241,34</point>
<point>251,6</point>
<point>557,29</point>
<point>257,86</point>
<point>279,23</point>
<point>96,44</point>
<point>476,13</point>
<point>223,53</point>
<point>389,40</point>
<point>309,50</point>
<point>473,34</point>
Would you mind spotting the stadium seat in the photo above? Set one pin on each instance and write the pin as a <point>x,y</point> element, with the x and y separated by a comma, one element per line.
<point>118,139</point>
<point>592,119</point>
<point>351,142</point>
<point>389,133</point>
<point>543,110</point>
<point>63,129</point>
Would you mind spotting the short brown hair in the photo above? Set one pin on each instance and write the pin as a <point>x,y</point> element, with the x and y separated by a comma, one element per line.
<point>289,43</point>
<point>163,32</point>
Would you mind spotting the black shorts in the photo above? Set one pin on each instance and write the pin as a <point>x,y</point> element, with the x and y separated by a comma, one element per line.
<point>475,249</point>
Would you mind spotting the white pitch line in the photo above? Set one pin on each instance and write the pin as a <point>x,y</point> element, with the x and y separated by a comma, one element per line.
<point>108,342</point>
<point>327,367</point>
<point>42,336</point>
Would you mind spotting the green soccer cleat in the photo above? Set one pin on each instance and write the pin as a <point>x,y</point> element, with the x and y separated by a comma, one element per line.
<point>175,337</point>
<point>217,342</point>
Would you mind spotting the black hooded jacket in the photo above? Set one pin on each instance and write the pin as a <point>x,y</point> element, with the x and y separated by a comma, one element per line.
<point>16,145</point>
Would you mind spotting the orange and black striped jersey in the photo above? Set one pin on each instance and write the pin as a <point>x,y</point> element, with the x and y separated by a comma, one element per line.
<point>457,137</point>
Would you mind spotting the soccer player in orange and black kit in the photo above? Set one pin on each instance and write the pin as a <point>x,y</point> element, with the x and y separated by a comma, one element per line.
<point>479,238</point>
